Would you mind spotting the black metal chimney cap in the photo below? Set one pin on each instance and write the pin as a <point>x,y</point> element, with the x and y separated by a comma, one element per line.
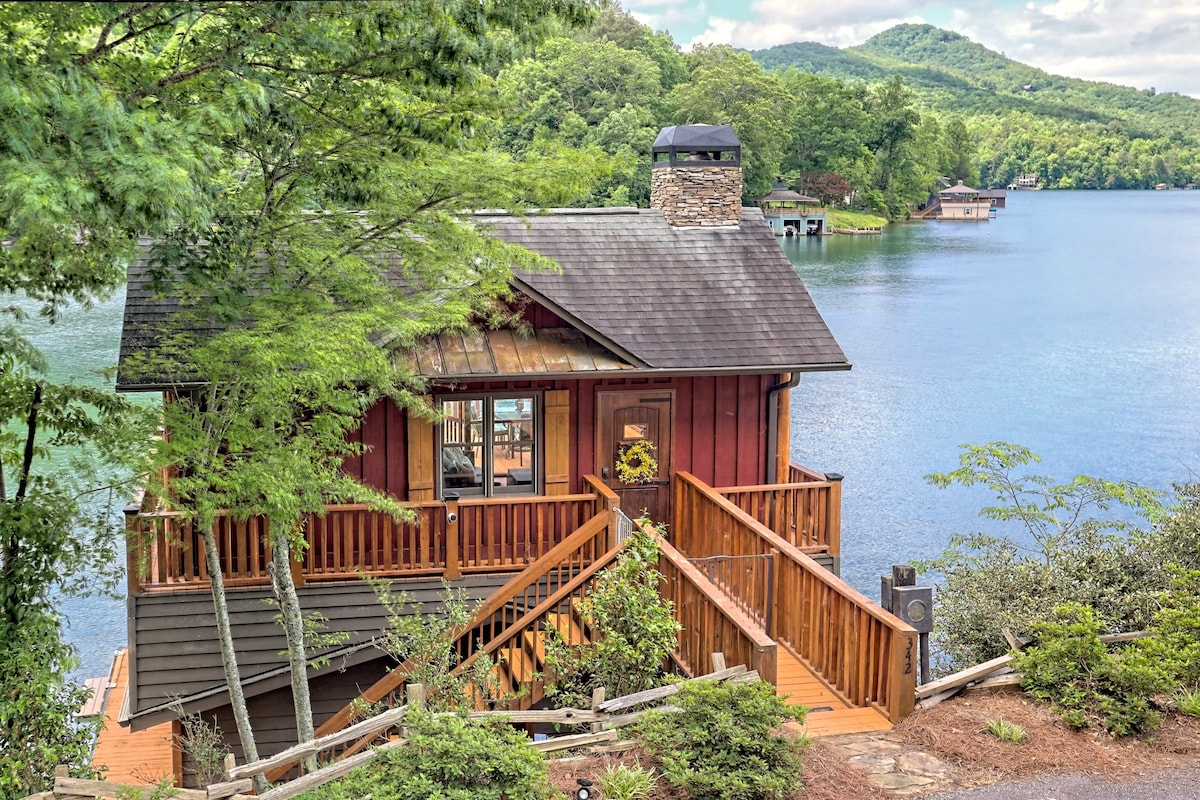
<point>714,143</point>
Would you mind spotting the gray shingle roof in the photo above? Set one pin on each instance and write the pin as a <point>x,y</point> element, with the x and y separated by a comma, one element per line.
<point>676,298</point>
<point>656,296</point>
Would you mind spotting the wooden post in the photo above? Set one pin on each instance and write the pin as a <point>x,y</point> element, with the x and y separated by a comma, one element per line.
<point>134,547</point>
<point>773,598</point>
<point>453,565</point>
<point>718,662</point>
<point>597,699</point>
<point>833,514</point>
<point>414,694</point>
<point>902,683</point>
<point>230,762</point>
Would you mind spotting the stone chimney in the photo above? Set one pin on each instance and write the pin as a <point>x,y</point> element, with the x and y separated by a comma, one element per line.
<point>697,175</point>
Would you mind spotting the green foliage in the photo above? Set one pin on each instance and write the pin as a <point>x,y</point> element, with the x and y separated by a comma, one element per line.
<point>205,744</point>
<point>723,744</point>
<point>1075,543</point>
<point>633,631</point>
<point>1087,684</point>
<point>1006,731</point>
<point>449,757</point>
<point>423,644</point>
<point>38,728</point>
<point>623,782</point>
<point>1175,646</point>
<point>1188,702</point>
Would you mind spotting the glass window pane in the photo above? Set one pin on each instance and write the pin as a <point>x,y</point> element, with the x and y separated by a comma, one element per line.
<point>462,467</point>
<point>513,443</point>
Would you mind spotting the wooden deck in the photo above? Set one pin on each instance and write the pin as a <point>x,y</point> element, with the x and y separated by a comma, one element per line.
<point>145,757</point>
<point>828,714</point>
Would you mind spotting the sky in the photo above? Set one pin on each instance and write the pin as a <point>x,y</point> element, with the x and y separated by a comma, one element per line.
<point>1139,43</point>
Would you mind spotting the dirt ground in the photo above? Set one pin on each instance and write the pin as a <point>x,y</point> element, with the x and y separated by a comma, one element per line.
<point>953,732</point>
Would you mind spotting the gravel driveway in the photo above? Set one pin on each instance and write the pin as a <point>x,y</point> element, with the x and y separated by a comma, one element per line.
<point>1176,784</point>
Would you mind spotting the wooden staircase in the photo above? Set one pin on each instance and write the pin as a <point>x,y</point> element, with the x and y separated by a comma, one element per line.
<point>519,673</point>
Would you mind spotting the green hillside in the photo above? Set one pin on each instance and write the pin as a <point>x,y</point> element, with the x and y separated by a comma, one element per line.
<point>1074,133</point>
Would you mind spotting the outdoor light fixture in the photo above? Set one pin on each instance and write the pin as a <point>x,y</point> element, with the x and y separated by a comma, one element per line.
<point>584,792</point>
<point>914,605</point>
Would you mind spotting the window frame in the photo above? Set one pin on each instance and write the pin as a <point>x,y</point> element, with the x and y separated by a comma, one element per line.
<point>488,446</point>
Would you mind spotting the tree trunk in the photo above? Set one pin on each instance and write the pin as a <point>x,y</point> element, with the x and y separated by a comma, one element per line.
<point>293,628</point>
<point>233,679</point>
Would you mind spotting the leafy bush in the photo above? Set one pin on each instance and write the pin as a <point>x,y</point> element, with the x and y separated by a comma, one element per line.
<point>622,782</point>
<point>1006,731</point>
<point>449,757</point>
<point>723,744</point>
<point>1077,543</point>
<point>426,643</point>
<point>38,701</point>
<point>633,630</point>
<point>1176,627</point>
<point>1086,683</point>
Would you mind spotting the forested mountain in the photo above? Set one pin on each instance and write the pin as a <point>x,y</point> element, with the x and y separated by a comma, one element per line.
<point>877,127</point>
<point>1073,133</point>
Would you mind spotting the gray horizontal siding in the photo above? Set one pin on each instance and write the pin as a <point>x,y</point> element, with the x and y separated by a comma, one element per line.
<point>274,720</point>
<point>176,653</point>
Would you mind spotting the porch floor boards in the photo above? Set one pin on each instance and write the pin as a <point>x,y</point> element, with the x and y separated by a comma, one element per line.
<point>145,757</point>
<point>828,714</point>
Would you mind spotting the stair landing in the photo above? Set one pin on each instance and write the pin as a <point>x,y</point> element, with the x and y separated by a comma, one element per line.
<point>828,714</point>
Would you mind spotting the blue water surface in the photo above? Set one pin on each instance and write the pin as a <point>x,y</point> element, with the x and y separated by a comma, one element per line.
<point>1069,324</point>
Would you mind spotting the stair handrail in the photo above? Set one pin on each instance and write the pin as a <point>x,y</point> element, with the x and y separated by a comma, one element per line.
<point>517,584</point>
<point>520,626</point>
<point>541,609</point>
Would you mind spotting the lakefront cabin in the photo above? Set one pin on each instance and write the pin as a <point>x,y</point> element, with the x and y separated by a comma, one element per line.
<point>961,203</point>
<point>683,326</point>
<point>790,213</point>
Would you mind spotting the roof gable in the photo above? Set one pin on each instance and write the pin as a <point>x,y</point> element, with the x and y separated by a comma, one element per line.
<point>676,298</point>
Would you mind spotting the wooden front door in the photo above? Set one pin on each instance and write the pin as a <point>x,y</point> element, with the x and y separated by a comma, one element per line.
<point>622,419</point>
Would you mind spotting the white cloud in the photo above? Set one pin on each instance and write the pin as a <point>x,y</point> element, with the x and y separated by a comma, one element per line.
<point>785,21</point>
<point>1139,43</point>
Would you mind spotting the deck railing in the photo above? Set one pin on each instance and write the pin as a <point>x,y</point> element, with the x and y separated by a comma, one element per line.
<point>166,551</point>
<point>712,622</point>
<point>865,654</point>
<point>806,511</point>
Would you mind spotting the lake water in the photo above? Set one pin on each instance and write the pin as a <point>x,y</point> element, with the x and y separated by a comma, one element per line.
<point>1069,324</point>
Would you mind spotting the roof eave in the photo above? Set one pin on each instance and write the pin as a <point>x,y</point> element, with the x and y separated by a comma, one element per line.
<point>641,372</point>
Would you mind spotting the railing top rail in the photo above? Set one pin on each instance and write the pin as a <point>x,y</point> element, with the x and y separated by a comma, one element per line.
<point>470,501</point>
<point>789,550</point>
<point>601,488</point>
<point>768,487</point>
<point>524,498</point>
<point>692,575</point>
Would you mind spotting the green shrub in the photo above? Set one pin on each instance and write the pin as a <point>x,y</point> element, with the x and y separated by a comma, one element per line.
<point>1188,702</point>
<point>1006,731</point>
<point>622,782</point>
<point>723,744</point>
<point>1086,683</point>
<point>1075,542</point>
<point>633,630</point>
<point>1176,627</point>
<point>449,757</point>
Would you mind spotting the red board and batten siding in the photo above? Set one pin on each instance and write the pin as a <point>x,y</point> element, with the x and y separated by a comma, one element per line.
<point>720,429</point>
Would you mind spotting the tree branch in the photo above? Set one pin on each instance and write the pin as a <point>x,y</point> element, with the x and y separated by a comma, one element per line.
<point>31,432</point>
<point>104,47</point>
